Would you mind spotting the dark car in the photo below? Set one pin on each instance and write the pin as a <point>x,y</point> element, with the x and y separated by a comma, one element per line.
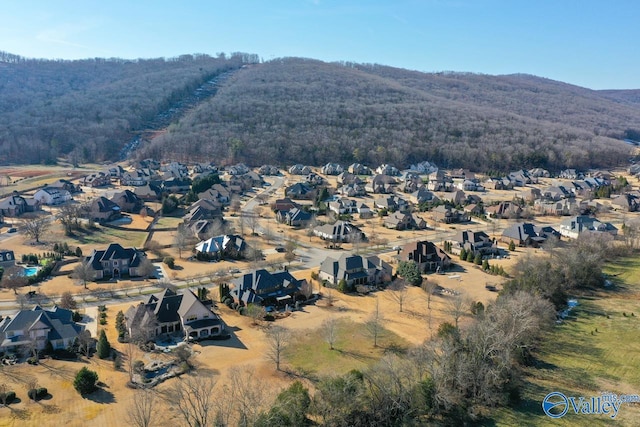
<point>280,249</point>
<point>12,230</point>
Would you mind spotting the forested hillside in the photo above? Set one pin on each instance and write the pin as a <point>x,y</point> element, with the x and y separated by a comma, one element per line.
<point>299,110</point>
<point>88,110</point>
<point>305,111</point>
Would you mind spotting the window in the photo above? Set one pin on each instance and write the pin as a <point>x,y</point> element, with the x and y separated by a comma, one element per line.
<point>191,318</point>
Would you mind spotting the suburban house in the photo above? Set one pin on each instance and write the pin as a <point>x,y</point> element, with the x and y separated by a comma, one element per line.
<point>380,184</point>
<point>359,169</point>
<point>528,234</point>
<point>426,255</point>
<point>423,195</point>
<point>103,210</point>
<point>52,196</point>
<point>294,217</point>
<point>473,241</point>
<point>343,206</point>
<point>128,201</point>
<point>97,179</point>
<point>352,190</point>
<point>220,247</point>
<point>203,209</point>
<point>448,215</point>
<point>284,205</point>
<point>32,329</point>
<point>170,313</point>
<point>136,178</point>
<point>355,270</point>
<point>301,190</point>
<point>385,169</point>
<point>269,170</point>
<point>503,210</point>
<point>391,203</point>
<point>219,194</point>
<point>7,258</point>
<point>629,202</point>
<point>332,169</point>
<point>403,221</point>
<point>572,227</point>
<point>116,261</point>
<point>15,205</point>
<point>269,289</point>
<point>150,192</point>
<point>65,184</point>
<point>340,231</point>
<point>299,170</point>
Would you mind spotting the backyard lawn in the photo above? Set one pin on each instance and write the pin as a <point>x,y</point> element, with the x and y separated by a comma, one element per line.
<point>597,349</point>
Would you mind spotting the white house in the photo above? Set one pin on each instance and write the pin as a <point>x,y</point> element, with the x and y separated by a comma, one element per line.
<point>52,196</point>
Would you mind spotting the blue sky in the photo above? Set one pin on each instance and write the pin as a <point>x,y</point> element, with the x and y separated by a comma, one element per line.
<point>585,42</point>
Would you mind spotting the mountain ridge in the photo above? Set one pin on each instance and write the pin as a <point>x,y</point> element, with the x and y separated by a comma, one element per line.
<point>301,110</point>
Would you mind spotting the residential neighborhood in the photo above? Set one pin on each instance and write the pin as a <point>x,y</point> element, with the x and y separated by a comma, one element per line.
<point>212,267</point>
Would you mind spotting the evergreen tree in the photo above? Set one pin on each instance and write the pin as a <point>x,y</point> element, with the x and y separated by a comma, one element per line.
<point>478,259</point>
<point>103,347</point>
<point>85,381</point>
<point>463,254</point>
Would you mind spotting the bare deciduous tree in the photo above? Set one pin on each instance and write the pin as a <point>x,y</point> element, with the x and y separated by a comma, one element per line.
<point>182,239</point>
<point>69,216</point>
<point>373,325</point>
<point>36,227</point>
<point>192,397</point>
<point>13,278</point>
<point>83,273</point>
<point>398,292</point>
<point>142,409</point>
<point>278,339</point>
<point>457,306</point>
<point>330,331</point>
<point>246,396</point>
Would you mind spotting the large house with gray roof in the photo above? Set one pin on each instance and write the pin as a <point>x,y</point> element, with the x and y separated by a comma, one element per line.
<point>265,288</point>
<point>116,261</point>
<point>32,329</point>
<point>355,270</point>
<point>168,313</point>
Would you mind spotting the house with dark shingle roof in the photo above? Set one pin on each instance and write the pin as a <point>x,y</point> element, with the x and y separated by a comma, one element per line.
<point>224,246</point>
<point>528,234</point>
<point>264,288</point>
<point>340,231</point>
<point>167,312</point>
<point>115,261</point>
<point>103,210</point>
<point>33,328</point>
<point>355,270</point>
<point>128,201</point>
<point>426,255</point>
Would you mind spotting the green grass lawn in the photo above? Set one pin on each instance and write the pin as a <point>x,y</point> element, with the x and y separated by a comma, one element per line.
<point>596,349</point>
<point>168,222</point>
<point>310,354</point>
<point>104,235</point>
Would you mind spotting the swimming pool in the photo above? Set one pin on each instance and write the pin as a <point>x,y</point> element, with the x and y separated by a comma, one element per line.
<point>31,271</point>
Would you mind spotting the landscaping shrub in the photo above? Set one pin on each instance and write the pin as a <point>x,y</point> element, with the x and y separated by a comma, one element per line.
<point>8,397</point>
<point>169,261</point>
<point>37,393</point>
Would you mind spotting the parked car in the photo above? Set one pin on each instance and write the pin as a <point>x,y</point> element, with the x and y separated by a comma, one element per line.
<point>280,249</point>
<point>12,230</point>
